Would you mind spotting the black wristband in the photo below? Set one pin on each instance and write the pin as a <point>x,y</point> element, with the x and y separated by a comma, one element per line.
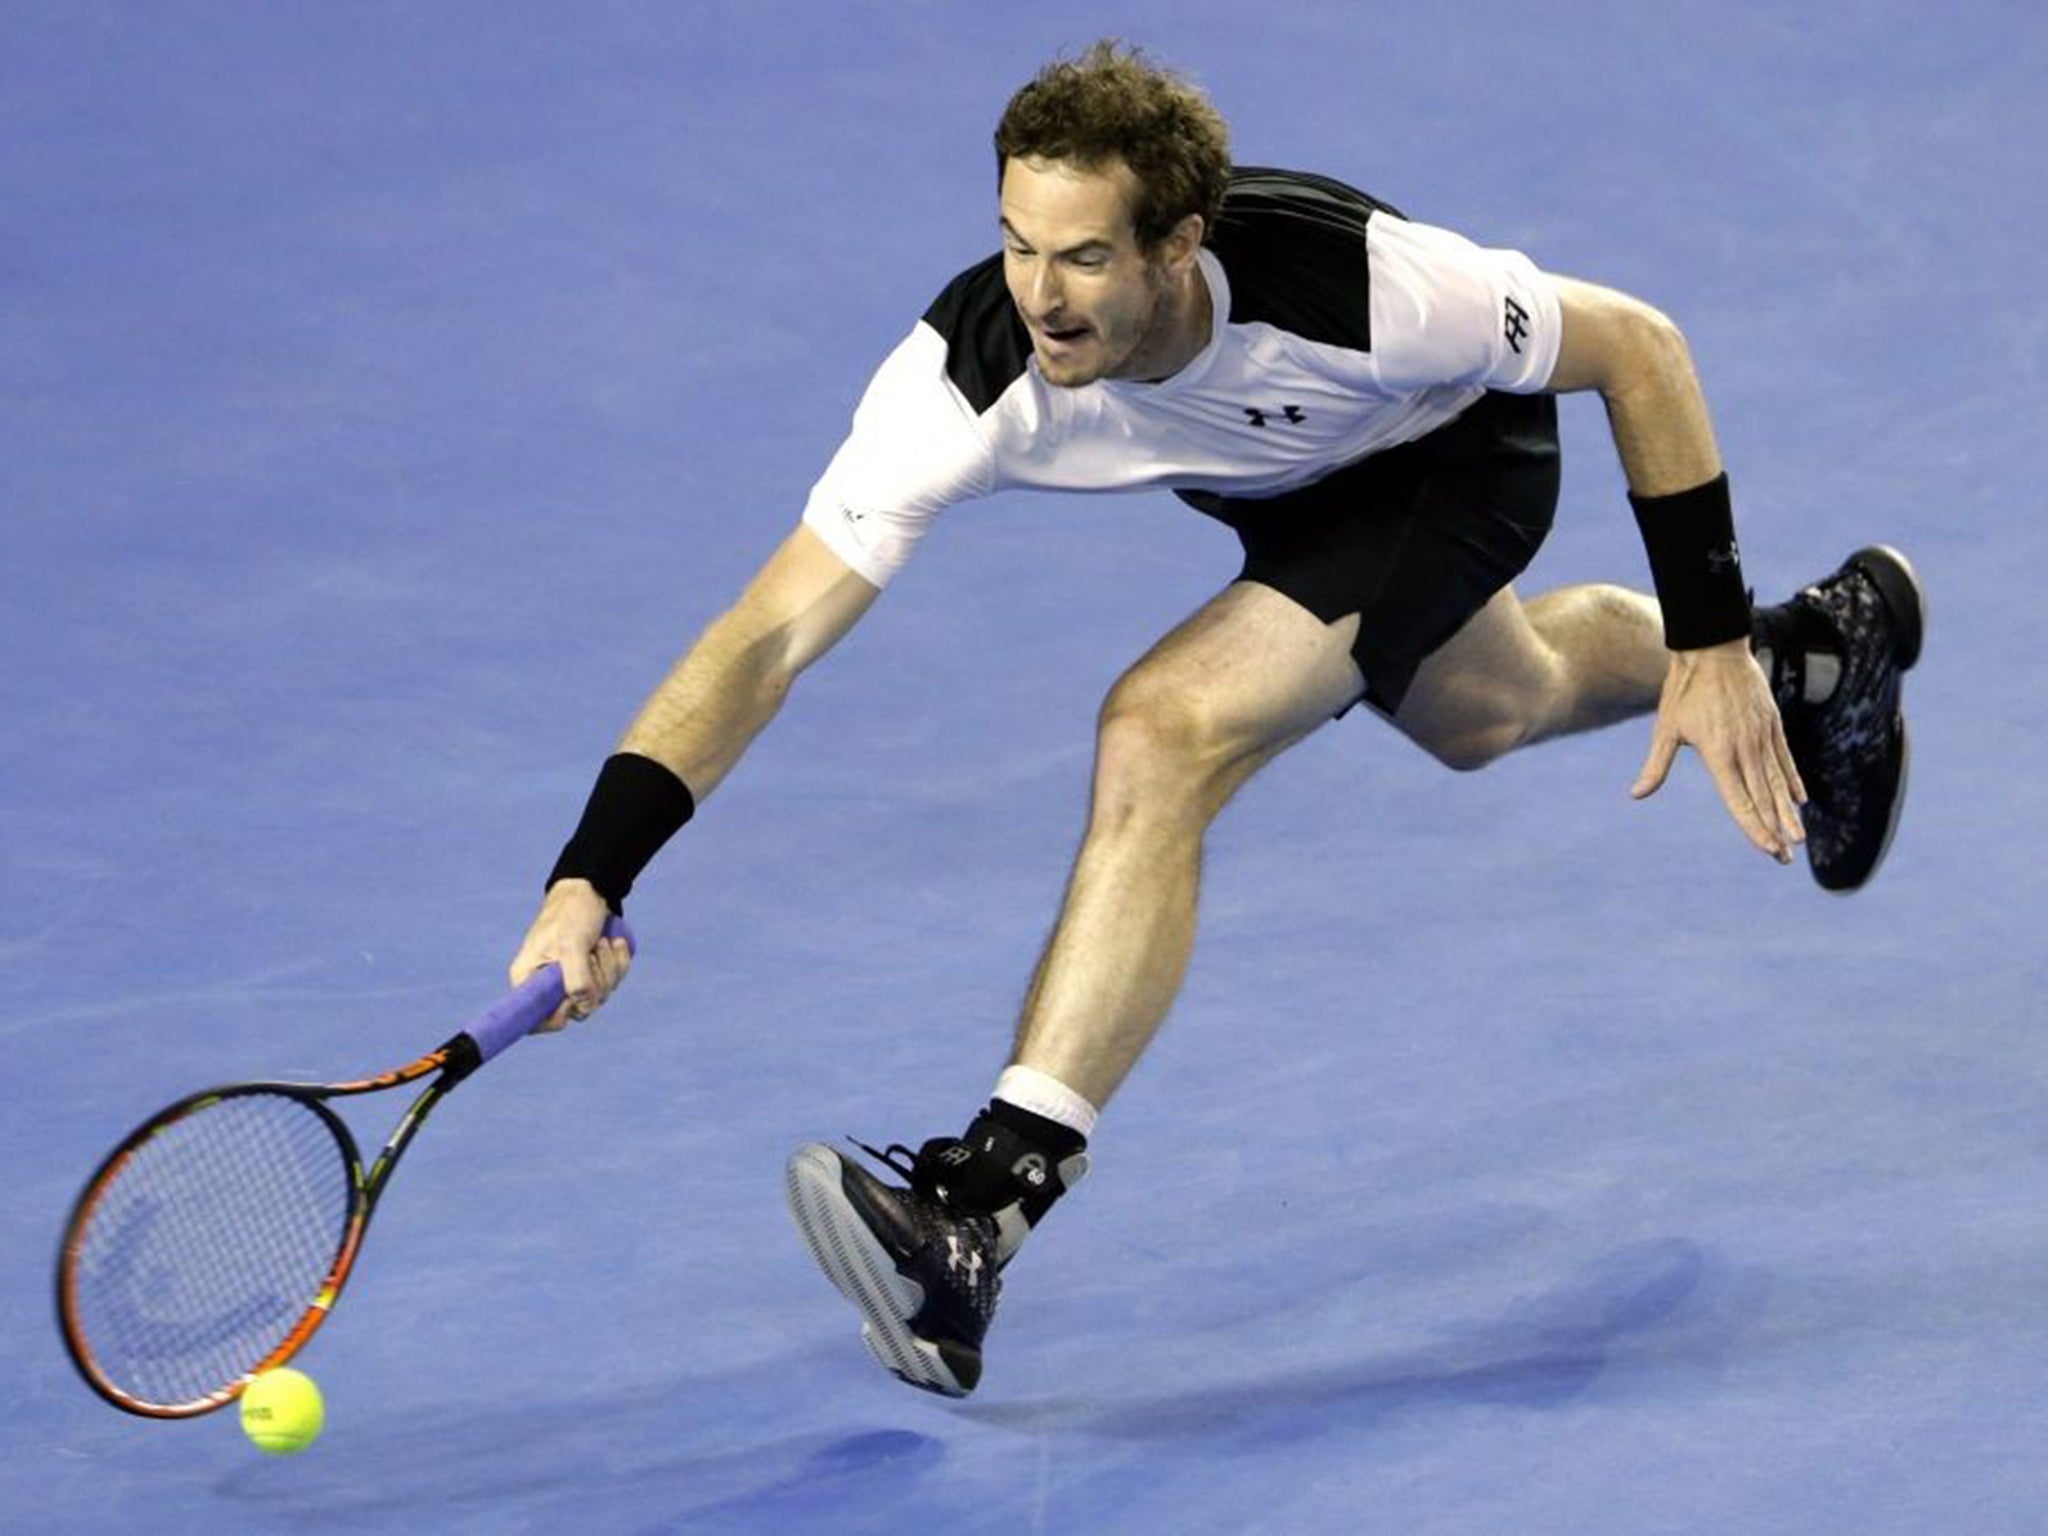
<point>1695,564</point>
<point>635,806</point>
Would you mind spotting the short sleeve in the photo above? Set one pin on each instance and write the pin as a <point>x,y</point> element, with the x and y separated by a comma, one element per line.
<point>1447,311</point>
<point>915,449</point>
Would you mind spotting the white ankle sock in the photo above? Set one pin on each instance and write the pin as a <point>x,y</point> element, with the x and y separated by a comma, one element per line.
<point>1042,1094</point>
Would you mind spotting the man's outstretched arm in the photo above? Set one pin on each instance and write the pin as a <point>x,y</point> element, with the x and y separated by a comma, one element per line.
<point>688,735</point>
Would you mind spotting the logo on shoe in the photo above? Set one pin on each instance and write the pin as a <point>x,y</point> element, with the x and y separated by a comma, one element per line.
<point>962,1258</point>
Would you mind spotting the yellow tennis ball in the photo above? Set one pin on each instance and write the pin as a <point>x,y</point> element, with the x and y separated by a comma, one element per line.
<point>282,1411</point>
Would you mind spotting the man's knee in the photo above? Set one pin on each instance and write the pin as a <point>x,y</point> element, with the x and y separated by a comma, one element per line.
<point>1159,746</point>
<point>1476,719</point>
<point>1235,684</point>
<point>1153,725</point>
<point>1474,745</point>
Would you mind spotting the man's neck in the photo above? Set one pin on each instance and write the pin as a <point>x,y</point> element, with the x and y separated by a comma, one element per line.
<point>1185,322</point>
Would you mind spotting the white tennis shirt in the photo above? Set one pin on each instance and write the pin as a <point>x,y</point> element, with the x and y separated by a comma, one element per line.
<point>1341,329</point>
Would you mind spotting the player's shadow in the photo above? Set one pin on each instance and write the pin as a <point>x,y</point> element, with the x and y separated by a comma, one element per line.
<point>545,1461</point>
<point>1645,1306</point>
<point>859,1481</point>
<point>717,1463</point>
<point>874,1475</point>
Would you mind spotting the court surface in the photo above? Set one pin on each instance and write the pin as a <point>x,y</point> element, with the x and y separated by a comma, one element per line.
<point>390,391</point>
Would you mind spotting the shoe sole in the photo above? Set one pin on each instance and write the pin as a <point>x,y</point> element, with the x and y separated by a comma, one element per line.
<point>865,1273</point>
<point>1905,600</point>
<point>1891,825</point>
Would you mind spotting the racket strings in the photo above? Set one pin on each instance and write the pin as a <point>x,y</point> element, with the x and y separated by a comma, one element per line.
<point>207,1246</point>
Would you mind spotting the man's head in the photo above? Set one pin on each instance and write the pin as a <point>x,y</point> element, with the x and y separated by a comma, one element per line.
<point>1112,175</point>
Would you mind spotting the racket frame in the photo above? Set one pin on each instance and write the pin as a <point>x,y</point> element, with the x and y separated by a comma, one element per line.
<point>511,1019</point>
<point>453,1061</point>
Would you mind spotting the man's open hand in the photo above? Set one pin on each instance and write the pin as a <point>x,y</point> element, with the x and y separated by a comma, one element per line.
<point>1717,702</point>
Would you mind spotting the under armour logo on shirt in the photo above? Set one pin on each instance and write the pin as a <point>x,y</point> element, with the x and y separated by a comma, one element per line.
<point>1259,418</point>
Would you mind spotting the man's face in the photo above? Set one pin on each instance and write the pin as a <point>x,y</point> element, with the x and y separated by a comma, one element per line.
<point>1088,295</point>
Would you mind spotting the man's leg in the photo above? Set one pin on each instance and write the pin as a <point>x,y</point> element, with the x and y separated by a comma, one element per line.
<point>1250,674</point>
<point>1570,660</point>
<point>1247,676</point>
<point>1582,657</point>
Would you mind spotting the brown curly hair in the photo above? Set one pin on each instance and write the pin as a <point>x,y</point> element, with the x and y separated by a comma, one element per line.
<point>1112,103</point>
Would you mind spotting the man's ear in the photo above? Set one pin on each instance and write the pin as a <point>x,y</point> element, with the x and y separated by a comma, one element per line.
<point>1178,249</point>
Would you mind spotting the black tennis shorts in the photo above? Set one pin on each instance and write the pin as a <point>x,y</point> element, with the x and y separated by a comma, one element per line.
<point>1414,540</point>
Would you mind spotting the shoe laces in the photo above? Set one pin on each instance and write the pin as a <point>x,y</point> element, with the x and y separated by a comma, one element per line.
<point>896,1157</point>
<point>920,1169</point>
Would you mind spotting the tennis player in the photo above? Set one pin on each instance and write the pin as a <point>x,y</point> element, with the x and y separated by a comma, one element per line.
<point>1367,401</point>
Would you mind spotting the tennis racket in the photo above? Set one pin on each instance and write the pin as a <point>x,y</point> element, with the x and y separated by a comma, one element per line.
<point>215,1239</point>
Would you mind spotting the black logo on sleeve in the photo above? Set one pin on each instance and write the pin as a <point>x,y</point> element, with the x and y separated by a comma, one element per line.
<point>1517,327</point>
<point>1258,418</point>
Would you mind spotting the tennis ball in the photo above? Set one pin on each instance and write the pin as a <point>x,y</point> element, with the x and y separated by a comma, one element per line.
<point>282,1412</point>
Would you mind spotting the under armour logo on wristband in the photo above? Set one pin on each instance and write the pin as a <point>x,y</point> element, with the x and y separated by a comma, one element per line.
<point>1725,562</point>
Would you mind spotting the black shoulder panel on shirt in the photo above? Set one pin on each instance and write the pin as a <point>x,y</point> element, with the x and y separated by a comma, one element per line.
<point>986,344</point>
<point>1293,245</point>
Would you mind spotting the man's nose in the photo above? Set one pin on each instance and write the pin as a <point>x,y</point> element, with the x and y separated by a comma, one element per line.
<point>1045,292</point>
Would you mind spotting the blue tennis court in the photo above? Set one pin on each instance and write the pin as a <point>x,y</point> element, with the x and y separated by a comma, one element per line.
<point>392,391</point>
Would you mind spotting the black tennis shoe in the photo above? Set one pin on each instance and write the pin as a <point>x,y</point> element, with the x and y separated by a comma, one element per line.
<point>1851,748</point>
<point>924,1275</point>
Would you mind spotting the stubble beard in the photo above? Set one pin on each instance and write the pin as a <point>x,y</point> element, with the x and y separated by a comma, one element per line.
<point>1077,374</point>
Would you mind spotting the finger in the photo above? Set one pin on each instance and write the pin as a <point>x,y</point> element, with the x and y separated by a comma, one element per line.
<point>561,1017</point>
<point>1785,796</point>
<point>578,984</point>
<point>1781,776</point>
<point>1727,777</point>
<point>1657,766</point>
<point>1766,798</point>
<point>1787,764</point>
<point>616,958</point>
<point>531,957</point>
<point>607,962</point>
<point>605,973</point>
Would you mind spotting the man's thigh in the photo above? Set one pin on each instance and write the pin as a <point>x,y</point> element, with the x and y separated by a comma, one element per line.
<point>1257,668</point>
<point>1416,540</point>
<point>1485,674</point>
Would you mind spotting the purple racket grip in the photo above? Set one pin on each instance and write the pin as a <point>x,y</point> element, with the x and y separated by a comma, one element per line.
<point>524,1009</point>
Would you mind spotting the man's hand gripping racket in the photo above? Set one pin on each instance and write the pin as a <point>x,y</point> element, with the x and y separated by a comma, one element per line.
<point>215,1239</point>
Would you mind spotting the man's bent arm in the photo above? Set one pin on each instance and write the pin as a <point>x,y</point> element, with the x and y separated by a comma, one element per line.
<point>1716,698</point>
<point>1639,362</point>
